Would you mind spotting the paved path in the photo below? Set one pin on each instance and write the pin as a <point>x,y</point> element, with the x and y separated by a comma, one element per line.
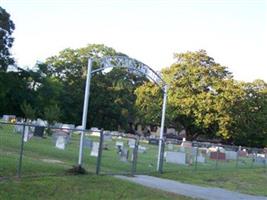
<point>193,191</point>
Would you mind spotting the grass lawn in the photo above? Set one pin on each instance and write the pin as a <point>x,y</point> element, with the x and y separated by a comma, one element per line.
<point>250,181</point>
<point>42,158</point>
<point>78,187</point>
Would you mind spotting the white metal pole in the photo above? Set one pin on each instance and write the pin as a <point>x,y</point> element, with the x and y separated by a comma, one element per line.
<point>85,109</point>
<point>162,125</point>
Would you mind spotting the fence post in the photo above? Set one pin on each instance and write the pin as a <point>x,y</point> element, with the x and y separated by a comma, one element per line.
<point>237,159</point>
<point>161,156</point>
<point>253,158</point>
<point>100,148</point>
<point>135,154</point>
<point>196,159</point>
<point>217,158</point>
<point>265,156</point>
<point>21,152</point>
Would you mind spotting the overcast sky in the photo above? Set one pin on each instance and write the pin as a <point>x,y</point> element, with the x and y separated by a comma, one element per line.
<point>233,32</point>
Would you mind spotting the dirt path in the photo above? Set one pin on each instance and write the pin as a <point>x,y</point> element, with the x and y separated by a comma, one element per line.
<point>189,190</point>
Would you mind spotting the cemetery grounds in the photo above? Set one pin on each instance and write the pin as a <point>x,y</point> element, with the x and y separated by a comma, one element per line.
<point>46,166</point>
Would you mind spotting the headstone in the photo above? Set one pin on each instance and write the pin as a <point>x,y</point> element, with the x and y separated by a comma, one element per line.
<point>94,151</point>
<point>80,128</point>
<point>230,155</point>
<point>26,134</point>
<point>201,159</point>
<point>39,131</point>
<point>186,144</point>
<point>243,153</point>
<point>124,155</point>
<point>60,143</point>
<point>175,157</point>
<point>153,141</point>
<point>19,128</point>
<point>141,149</point>
<point>260,159</point>
<point>131,143</point>
<point>41,122</point>
<point>8,118</point>
<point>107,137</point>
<point>58,125</point>
<point>68,128</point>
<point>217,155</point>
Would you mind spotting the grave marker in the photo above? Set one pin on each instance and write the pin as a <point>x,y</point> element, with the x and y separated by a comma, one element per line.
<point>175,157</point>
<point>107,137</point>
<point>217,155</point>
<point>230,155</point>
<point>60,143</point>
<point>94,151</point>
<point>124,155</point>
<point>131,143</point>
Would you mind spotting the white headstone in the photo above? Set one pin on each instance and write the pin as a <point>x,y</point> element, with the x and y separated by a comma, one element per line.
<point>176,157</point>
<point>8,117</point>
<point>19,128</point>
<point>201,159</point>
<point>60,143</point>
<point>27,134</point>
<point>94,151</point>
<point>230,155</point>
<point>131,143</point>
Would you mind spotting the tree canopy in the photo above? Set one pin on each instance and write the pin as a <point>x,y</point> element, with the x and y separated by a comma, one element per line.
<point>204,100</point>
<point>6,40</point>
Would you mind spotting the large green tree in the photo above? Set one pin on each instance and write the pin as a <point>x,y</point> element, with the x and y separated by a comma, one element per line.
<point>201,93</point>
<point>112,93</point>
<point>250,115</point>
<point>6,40</point>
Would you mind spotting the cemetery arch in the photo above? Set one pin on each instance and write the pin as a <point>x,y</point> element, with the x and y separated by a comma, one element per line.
<point>132,65</point>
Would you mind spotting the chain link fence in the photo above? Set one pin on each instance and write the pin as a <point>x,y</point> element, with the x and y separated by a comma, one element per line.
<point>184,155</point>
<point>31,150</point>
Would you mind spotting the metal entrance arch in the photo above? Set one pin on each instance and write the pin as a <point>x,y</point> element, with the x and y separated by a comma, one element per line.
<point>131,64</point>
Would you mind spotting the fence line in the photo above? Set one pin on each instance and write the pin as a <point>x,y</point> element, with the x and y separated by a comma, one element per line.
<point>25,149</point>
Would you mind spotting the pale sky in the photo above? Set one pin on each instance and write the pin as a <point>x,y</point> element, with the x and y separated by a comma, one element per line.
<point>233,32</point>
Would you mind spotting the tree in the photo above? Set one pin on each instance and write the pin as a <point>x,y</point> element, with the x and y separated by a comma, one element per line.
<point>111,94</point>
<point>201,93</point>
<point>14,89</point>
<point>6,40</point>
<point>28,110</point>
<point>250,114</point>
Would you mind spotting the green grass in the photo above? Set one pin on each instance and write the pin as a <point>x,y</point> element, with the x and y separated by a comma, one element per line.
<point>250,181</point>
<point>78,187</point>
<point>39,155</point>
